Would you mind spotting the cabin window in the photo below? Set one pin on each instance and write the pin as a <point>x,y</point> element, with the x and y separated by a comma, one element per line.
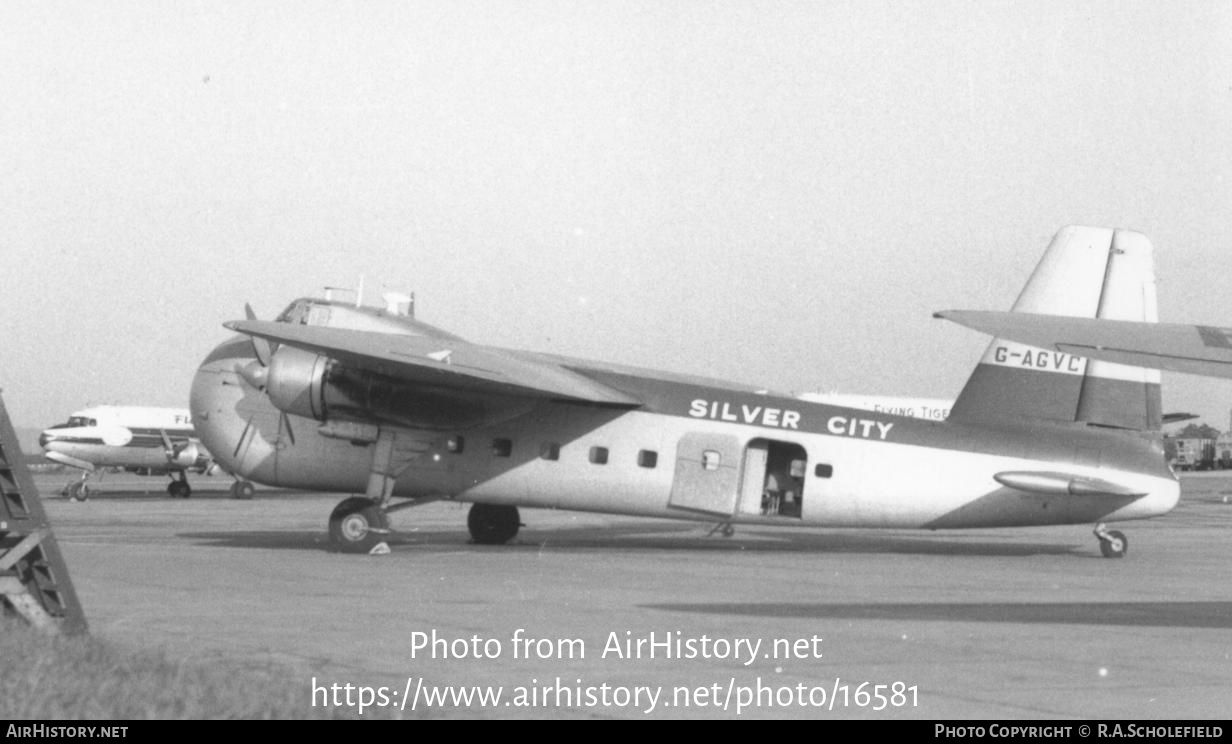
<point>455,444</point>
<point>502,447</point>
<point>711,460</point>
<point>824,471</point>
<point>647,458</point>
<point>549,451</point>
<point>598,455</point>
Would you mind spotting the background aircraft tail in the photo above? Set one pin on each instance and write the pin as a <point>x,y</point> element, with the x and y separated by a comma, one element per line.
<point>1086,272</point>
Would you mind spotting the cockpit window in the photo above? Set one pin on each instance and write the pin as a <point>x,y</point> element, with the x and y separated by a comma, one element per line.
<point>306,312</point>
<point>295,312</point>
<point>74,421</point>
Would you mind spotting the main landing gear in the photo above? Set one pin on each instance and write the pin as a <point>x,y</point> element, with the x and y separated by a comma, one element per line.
<point>357,525</point>
<point>242,490</point>
<point>360,524</point>
<point>1112,543</point>
<point>493,524</point>
<point>178,488</point>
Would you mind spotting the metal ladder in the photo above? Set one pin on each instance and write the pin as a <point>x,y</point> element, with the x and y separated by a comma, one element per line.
<point>34,581</point>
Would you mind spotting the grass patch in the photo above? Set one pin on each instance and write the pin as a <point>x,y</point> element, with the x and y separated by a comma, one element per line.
<point>51,677</point>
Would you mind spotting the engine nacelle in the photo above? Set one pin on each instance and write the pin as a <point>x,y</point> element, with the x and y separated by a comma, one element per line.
<point>304,383</point>
<point>296,382</point>
<point>184,457</point>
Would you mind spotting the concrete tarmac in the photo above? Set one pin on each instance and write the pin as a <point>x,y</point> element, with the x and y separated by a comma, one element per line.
<point>599,616</point>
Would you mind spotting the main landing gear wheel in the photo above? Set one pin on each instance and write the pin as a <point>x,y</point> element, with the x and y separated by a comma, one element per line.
<point>1112,543</point>
<point>77,491</point>
<point>242,490</point>
<point>493,524</point>
<point>179,489</point>
<point>357,525</point>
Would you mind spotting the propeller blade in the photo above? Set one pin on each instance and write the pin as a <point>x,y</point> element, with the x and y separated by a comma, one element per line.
<point>243,435</point>
<point>260,346</point>
<point>285,422</point>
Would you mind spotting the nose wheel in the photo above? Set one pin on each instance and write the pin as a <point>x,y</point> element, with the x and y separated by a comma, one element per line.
<point>242,490</point>
<point>77,491</point>
<point>1112,543</point>
<point>179,489</point>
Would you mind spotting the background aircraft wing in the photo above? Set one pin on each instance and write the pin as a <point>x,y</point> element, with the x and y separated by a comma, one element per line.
<point>440,362</point>
<point>1195,350</point>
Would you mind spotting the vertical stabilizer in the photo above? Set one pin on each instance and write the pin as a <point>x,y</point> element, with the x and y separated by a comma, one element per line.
<point>1087,272</point>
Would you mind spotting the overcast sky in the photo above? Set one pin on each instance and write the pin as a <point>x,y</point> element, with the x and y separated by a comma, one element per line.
<point>776,193</point>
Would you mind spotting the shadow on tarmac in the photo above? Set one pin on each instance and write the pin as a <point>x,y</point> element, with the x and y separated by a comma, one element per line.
<point>1213,614</point>
<point>672,537</point>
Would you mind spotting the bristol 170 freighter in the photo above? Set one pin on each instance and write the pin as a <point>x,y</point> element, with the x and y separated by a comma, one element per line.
<point>331,396</point>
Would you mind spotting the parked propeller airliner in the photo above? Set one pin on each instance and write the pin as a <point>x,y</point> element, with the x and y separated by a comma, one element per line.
<point>139,439</point>
<point>370,401</point>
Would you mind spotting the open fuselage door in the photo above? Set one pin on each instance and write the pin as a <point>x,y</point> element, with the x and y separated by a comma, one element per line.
<point>773,479</point>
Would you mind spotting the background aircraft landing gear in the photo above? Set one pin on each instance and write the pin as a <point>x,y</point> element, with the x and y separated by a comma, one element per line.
<point>77,491</point>
<point>242,490</point>
<point>493,524</point>
<point>179,489</point>
<point>357,525</point>
<point>1112,543</point>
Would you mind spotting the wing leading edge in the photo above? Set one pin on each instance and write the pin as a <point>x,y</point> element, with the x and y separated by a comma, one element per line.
<point>444,362</point>
<point>1191,349</point>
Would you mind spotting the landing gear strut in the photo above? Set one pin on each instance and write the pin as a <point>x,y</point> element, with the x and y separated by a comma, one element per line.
<point>1112,543</point>
<point>493,524</point>
<point>357,525</point>
<point>178,488</point>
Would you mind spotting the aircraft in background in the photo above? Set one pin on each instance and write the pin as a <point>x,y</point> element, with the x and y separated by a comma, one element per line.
<point>1191,349</point>
<point>334,397</point>
<point>934,409</point>
<point>138,439</point>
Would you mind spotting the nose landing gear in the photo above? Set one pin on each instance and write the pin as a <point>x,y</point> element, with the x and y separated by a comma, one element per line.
<point>178,488</point>
<point>1112,543</point>
<point>77,491</point>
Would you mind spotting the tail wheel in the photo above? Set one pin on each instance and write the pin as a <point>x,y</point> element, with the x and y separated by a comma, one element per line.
<point>493,524</point>
<point>1114,544</point>
<point>357,525</point>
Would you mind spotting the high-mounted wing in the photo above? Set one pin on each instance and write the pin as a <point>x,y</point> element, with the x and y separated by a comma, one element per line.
<point>1195,350</point>
<point>443,363</point>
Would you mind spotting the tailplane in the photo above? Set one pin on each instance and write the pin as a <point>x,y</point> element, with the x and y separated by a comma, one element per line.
<point>1087,272</point>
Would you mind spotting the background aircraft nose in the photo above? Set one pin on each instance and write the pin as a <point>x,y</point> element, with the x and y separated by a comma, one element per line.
<point>44,438</point>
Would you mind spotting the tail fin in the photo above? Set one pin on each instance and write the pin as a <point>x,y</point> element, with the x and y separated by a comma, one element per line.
<point>1086,272</point>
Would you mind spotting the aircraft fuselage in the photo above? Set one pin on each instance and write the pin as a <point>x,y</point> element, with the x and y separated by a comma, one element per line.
<point>698,451</point>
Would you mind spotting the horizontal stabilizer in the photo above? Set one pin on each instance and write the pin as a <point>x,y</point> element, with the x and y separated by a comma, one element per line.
<point>1063,484</point>
<point>1195,350</point>
<point>448,363</point>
